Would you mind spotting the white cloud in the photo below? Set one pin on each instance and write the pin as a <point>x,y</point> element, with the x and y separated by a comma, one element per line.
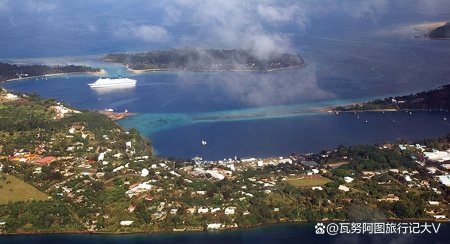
<point>151,33</point>
<point>146,33</point>
<point>364,9</point>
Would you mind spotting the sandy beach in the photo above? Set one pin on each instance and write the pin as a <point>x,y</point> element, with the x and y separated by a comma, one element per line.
<point>98,73</point>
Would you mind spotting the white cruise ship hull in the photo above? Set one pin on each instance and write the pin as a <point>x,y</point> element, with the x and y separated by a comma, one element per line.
<point>111,83</point>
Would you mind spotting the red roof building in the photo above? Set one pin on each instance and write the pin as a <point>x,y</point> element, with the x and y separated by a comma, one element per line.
<point>45,160</point>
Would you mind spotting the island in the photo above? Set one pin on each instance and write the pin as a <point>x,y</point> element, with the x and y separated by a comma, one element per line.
<point>64,170</point>
<point>437,99</point>
<point>193,59</point>
<point>441,32</point>
<point>13,71</point>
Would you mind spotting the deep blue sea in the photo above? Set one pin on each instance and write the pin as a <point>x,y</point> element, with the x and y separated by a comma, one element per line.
<point>177,111</point>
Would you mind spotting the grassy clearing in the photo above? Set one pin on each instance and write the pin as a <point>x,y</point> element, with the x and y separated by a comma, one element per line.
<point>12,189</point>
<point>311,181</point>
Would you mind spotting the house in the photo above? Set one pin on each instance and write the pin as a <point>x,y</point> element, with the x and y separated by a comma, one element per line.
<point>126,222</point>
<point>213,226</point>
<point>11,97</point>
<point>202,210</point>
<point>230,210</point>
<point>389,198</point>
<point>215,174</point>
<point>310,164</point>
<point>149,198</point>
<point>444,179</point>
<point>159,215</point>
<point>432,170</point>
<point>101,156</point>
<point>144,172</point>
<point>118,169</point>
<point>438,156</point>
<point>319,188</point>
<point>408,178</point>
<point>174,211</point>
<point>348,179</point>
<point>433,202</point>
<point>131,208</point>
<point>285,160</point>
<point>214,210</point>
<point>45,160</point>
<point>343,188</point>
<point>440,216</point>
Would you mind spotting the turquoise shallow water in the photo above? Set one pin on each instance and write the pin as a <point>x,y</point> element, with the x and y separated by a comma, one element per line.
<point>281,134</point>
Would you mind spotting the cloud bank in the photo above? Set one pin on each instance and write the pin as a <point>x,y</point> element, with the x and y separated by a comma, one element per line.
<point>146,33</point>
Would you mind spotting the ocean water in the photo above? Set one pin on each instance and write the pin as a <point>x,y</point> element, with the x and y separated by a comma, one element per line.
<point>350,58</point>
<point>177,111</point>
<point>280,233</point>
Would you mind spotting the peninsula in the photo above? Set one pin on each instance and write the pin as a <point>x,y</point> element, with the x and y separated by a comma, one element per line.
<point>441,32</point>
<point>64,170</point>
<point>437,99</point>
<point>193,59</point>
<point>13,71</point>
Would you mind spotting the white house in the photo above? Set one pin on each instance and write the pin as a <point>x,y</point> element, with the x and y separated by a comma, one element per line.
<point>348,179</point>
<point>213,226</point>
<point>343,188</point>
<point>214,210</point>
<point>202,210</point>
<point>230,210</point>
<point>408,178</point>
<point>126,222</point>
<point>118,169</point>
<point>144,172</point>
<point>101,156</point>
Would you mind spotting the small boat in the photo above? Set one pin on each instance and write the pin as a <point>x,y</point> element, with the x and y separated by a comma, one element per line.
<point>204,142</point>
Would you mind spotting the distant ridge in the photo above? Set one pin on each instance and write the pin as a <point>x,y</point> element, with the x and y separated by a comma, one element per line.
<point>441,32</point>
<point>193,59</point>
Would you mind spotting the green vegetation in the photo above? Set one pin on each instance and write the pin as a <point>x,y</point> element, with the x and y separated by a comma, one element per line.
<point>12,71</point>
<point>305,182</point>
<point>192,59</point>
<point>103,178</point>
<point>441,32</point>
<point>14,190</point>
<point>430,100</point>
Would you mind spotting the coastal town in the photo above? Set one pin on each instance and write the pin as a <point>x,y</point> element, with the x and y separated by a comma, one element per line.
<point>68,170</point>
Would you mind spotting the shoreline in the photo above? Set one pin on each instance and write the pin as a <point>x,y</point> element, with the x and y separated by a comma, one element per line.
<point>225,229</point>
<point>141,71</point>
<point>97,73</point>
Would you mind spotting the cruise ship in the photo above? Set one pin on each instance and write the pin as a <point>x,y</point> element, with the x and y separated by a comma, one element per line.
<point>115,82</point>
